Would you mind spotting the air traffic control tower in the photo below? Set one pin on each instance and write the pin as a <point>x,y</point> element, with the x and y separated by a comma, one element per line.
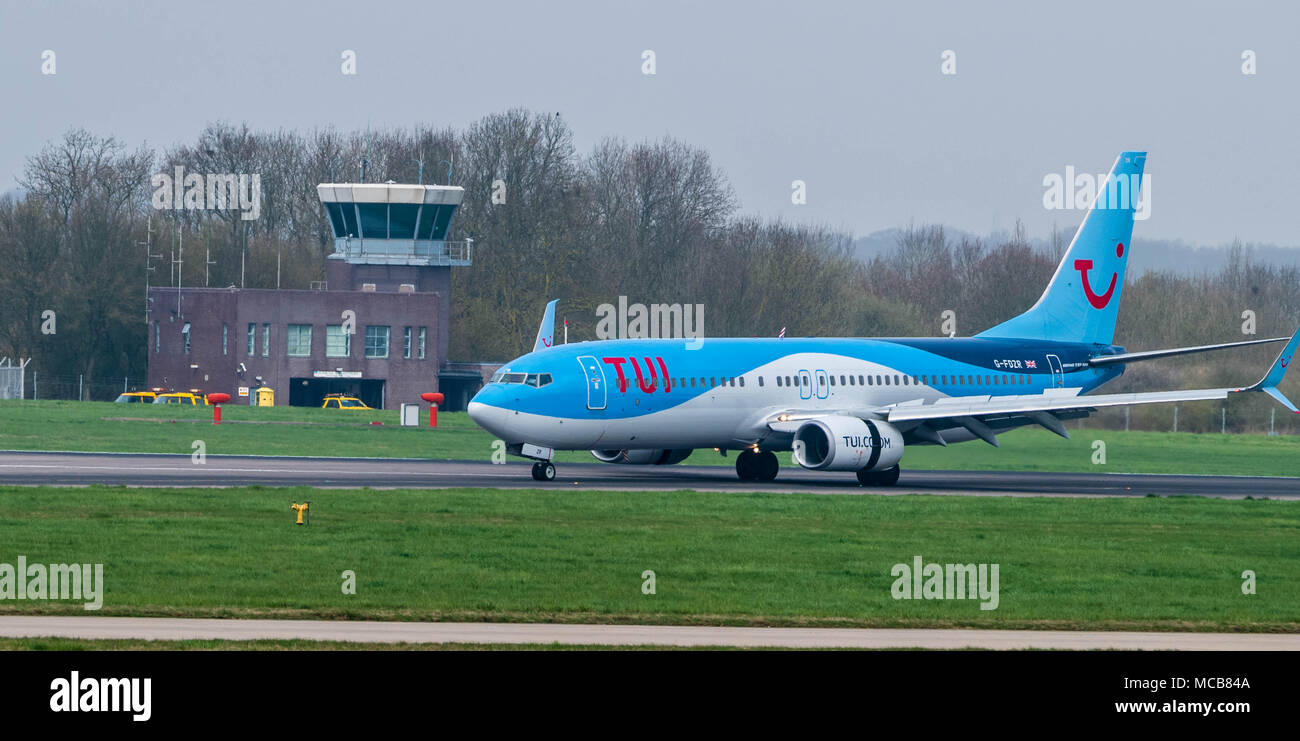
<point>392,238</point>
<point>387,235</point>
<point>389,276</point>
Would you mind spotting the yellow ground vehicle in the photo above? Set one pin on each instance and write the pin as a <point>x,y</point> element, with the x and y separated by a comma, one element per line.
<point>181,397</point>
<point>136,397</point>
<point>342,401</point>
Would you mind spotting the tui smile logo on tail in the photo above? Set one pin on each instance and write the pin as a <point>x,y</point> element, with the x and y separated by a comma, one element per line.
<point>1103,300</point>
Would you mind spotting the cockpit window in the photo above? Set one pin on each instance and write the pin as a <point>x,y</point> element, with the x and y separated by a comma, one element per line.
<point>536,380</point>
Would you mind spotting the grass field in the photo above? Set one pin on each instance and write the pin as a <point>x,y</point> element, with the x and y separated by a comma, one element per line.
<point>745,559</point>
<point>89,426</point>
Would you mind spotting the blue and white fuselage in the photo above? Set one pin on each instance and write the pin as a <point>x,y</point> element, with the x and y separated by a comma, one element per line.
<point>613,395</point>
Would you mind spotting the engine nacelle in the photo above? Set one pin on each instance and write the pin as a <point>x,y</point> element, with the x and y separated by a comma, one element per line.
<point>643,457</point>
<point>842,443</point>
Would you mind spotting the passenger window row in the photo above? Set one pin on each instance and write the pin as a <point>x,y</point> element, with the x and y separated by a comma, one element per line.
<point>537,380</point>
<point>997,379</point>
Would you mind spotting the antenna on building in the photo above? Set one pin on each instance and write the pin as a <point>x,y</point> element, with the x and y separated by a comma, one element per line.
<point>180,265</point>
<point>365,153</point>
<point>148,267</point>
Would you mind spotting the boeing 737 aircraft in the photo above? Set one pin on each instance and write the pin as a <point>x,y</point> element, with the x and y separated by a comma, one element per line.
<point>845,404</point>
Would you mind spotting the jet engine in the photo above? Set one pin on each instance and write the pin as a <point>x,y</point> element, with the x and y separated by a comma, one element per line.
<point>843,443</point>
<point>645,457</point>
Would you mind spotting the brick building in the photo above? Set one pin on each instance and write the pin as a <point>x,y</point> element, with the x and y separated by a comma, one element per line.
<point>388,282</point>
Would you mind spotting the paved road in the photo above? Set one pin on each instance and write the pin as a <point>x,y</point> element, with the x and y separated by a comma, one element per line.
<point>79,469</point>
<point>629,635</point>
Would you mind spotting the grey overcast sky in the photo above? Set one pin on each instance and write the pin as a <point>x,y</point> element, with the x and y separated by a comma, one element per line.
<point>846,96</point>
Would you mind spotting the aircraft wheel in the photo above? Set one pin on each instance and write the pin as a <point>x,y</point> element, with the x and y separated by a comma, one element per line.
<point>747,465</point>
<point>543,471</point>
<point>887,477</point>
<point>768,465</point>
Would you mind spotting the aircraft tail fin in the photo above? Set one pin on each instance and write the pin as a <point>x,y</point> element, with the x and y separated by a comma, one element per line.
<point>1082,300</point>
<point>546,332</point>
<point>1268,384</point>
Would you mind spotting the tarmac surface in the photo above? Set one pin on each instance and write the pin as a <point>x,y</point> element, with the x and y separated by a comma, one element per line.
<point>172,629</point>
<point>130,469</point>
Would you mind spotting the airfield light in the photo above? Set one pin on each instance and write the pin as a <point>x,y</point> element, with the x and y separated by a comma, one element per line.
<point>216,400</point>
<point>434,400</point>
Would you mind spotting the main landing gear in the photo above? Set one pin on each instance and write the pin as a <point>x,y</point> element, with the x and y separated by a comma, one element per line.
<point>754,466</point>
<point>887,477</point>
<point>543,471</point>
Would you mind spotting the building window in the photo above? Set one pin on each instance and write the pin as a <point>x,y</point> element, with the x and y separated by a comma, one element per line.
<point>252,339</point>
<point>266,340</point>
<point>406,342</point>
<point>376,342</point>
<point>338,344</point>
<point>421,343</point>
<point>157,338</point>
<point>185,332</point>
<point>224,332</point>
<point>298,341</point>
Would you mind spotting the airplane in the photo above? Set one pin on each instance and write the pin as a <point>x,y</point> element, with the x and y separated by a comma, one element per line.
<point>846,404</point>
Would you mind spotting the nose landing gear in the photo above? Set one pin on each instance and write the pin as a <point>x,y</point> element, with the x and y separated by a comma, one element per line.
<point>752,466</point>
<point>543,471</point>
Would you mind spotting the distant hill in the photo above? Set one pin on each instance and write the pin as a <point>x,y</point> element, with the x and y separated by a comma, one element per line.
<point>1148,254</point>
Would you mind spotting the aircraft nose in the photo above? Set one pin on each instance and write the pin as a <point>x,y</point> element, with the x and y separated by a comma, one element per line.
<point>477,411</point>
<point>487,416</point>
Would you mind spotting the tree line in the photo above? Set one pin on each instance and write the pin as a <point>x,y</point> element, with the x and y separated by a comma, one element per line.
<point>655,221</point>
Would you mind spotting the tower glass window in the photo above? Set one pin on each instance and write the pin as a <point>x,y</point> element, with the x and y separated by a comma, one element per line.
<point>401,220</point>
<point>374,220</point>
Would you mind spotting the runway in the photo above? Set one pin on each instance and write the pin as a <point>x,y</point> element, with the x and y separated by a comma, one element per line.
<point>174,629</point>
<point>129,469</point>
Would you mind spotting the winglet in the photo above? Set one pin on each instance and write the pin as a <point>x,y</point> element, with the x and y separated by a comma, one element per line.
<point>1268,384</point>
<point>546,332</point>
